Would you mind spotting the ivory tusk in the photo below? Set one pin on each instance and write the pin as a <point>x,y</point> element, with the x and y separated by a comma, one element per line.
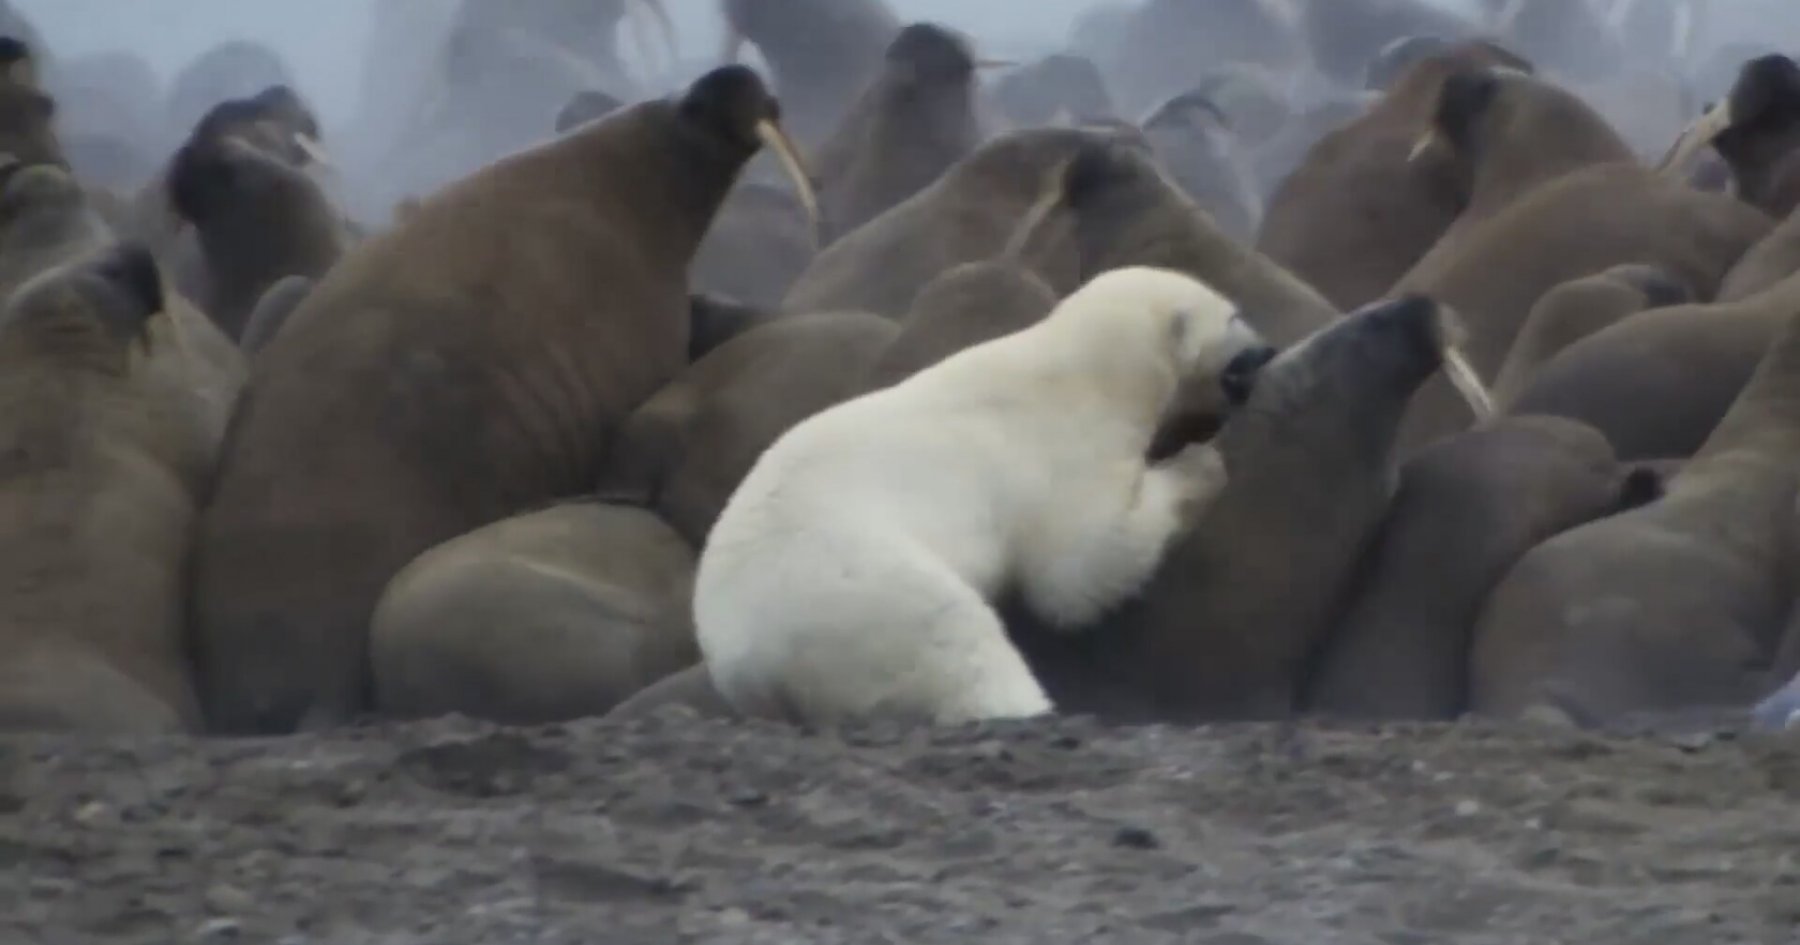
<point>1050,198</point>
<point>1457,368</point>
<point>1468,383</point>
<point>777,140</point>
<point>314,151</point>
<point>1704,131</point>
<point>1429,141</point>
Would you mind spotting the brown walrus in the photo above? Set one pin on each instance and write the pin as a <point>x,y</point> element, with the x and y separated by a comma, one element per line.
<point>112,439</point>
<point>1678,605</point>
<point>544,617</point>
<point>468,364</point>
<point>1466,509</point>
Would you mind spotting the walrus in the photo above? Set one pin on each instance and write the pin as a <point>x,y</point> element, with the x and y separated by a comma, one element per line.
<point>1166,45</point>
<point>19,26</point>
<point>1192,139</point>
<point>274,120</point>
<point>971,213</point>
<point>46,220</point>
<point>1058,85</point>
<point>1756,129</point>
<point>235,69</point>
<point>1467,507</point>
<point>258,219</point>
<point>587,31</point>
<point>1278,158</point>
<point>27,112</point>
<point>912,122</point>
<point>1226,627</point>
<point>1579,308</point>
<point>1503,133</point>
<point>714,319</point>
<point>1345,36</point>
<point>967,305</point>
<point>459,368</point>
<point>1569,37</point>
<point>761,240</point>
<point>1576,225</point>
<point>1647,104</point>
<point>821,53</point>
<point>1658,383</point>
<point>548,616</point>
<point>585,106</point>
<point>1680,604</point>
<point>113,89</point>
<point>1773,258</point>
<point>1357,213</point>
<point>688,447</point>
<point>272,311</point>
<point>112,453</point>
<point>1116,207</point>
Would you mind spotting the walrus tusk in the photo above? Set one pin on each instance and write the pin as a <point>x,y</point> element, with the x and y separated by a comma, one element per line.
<point>1457,368</point>
<point>1050,197</point>
<point>1704,131</point>
<point>1468,383</point>
<point>1429,141</point>
<point>778,141</point>
<point>314,151</point>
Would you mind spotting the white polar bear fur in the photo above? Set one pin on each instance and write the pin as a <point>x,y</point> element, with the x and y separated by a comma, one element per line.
<point>851,573</point>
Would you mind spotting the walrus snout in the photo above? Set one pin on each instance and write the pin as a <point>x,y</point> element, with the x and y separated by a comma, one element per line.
<point>1239,377</point>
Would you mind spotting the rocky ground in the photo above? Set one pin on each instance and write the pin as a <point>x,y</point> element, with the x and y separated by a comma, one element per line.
<point>674,830</point>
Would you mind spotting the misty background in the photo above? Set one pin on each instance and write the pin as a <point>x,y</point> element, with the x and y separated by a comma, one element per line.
<point>323,40</point>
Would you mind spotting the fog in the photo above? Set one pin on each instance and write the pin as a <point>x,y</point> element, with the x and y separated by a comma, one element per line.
<point>322,39</point>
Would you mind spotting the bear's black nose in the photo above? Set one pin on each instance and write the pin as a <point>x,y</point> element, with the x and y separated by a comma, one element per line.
<point>1239,378</point>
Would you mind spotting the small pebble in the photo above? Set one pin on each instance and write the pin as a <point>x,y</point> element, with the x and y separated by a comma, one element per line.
<point>1136,838</point>
<point>226,899</point>
<point>1468,808</point>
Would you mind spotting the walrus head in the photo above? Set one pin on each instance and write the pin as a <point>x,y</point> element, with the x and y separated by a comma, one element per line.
<point>35,188</point>
<point>96,310</point>
<point>1410,337</point>
<point>274,120</point>
<point>27,112</point>
<point>731,104</point>
<point>1754,125</point>
<point>17,62</point>
<point>211,176</point>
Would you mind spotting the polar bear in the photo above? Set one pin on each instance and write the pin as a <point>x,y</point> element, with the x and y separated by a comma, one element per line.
<point>851,574</point>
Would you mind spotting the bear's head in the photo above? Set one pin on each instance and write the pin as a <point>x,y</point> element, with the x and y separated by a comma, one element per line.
<point>1144,318</point>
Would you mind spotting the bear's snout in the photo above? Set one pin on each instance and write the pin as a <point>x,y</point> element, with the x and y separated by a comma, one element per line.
<point>1239,376</point>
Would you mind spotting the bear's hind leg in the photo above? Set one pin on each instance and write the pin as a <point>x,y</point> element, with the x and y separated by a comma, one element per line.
<point>928,648</point>
<point>1101,547</point>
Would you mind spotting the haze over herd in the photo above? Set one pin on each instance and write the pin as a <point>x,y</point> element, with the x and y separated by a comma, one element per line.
<point>828,361</point>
